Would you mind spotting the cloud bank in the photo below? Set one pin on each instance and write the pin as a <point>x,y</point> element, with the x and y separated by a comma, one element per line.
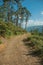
<point>32,23</point>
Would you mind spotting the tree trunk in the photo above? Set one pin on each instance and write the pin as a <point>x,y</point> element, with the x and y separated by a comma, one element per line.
<point>26,26</point>
<point>17,21</point>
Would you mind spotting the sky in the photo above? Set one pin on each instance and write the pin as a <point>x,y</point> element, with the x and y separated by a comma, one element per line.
<point>36,9</point>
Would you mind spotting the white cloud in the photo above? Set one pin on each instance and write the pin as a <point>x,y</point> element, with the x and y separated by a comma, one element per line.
<point>23,24</point>
<point>32,23</point>
<point>41,12</point>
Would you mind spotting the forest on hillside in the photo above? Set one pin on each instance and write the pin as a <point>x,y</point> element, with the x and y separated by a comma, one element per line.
<point>12,15</point>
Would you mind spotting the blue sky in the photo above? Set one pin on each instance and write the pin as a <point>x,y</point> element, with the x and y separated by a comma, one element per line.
<point>36,9</point>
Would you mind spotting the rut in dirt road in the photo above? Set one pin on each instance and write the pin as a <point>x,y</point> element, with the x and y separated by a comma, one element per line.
<point>14,53</point>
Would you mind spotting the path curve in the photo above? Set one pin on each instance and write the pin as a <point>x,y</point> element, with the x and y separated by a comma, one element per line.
<point>14,53</point>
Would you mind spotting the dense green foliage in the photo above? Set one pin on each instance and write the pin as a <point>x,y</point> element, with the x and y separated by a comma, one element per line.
<point>37,32</point>
<point>8,29</point>
<point>37,42</point>
<point>0,42</point>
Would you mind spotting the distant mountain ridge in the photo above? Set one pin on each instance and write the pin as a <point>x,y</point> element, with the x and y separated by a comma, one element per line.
<point>39,28</point>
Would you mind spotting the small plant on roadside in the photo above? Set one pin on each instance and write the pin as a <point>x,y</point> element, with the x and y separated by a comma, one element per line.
<point>0,42</point>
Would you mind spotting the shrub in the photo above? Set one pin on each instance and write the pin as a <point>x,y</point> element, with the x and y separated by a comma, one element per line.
<point>37,42</point>
<point>8,29</point>
<point>0,42</point>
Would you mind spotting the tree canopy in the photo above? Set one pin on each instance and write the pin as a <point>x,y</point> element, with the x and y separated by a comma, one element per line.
<point>9,11</point>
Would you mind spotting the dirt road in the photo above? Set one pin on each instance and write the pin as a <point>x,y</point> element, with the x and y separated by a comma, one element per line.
<point>14,53</point>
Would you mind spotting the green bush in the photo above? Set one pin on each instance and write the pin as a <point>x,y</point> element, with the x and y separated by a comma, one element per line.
<point>8,29</point>
<point>37,42</point>
<point>0,42</point>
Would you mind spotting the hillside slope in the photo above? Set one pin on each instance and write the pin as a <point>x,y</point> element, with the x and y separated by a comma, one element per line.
<point>8,29</point>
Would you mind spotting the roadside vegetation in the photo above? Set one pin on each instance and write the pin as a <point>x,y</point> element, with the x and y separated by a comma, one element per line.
<point>35,41</point>
<point>8,28</point>
<point>0,42</point>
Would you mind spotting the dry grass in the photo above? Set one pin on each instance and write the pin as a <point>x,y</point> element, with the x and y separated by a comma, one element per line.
<point>2,47</point>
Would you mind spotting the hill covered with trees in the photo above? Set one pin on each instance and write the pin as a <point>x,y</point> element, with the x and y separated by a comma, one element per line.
<point>12,15</point>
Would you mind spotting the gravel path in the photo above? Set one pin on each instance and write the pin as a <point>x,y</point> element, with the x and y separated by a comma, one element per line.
<point>14,53</point>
